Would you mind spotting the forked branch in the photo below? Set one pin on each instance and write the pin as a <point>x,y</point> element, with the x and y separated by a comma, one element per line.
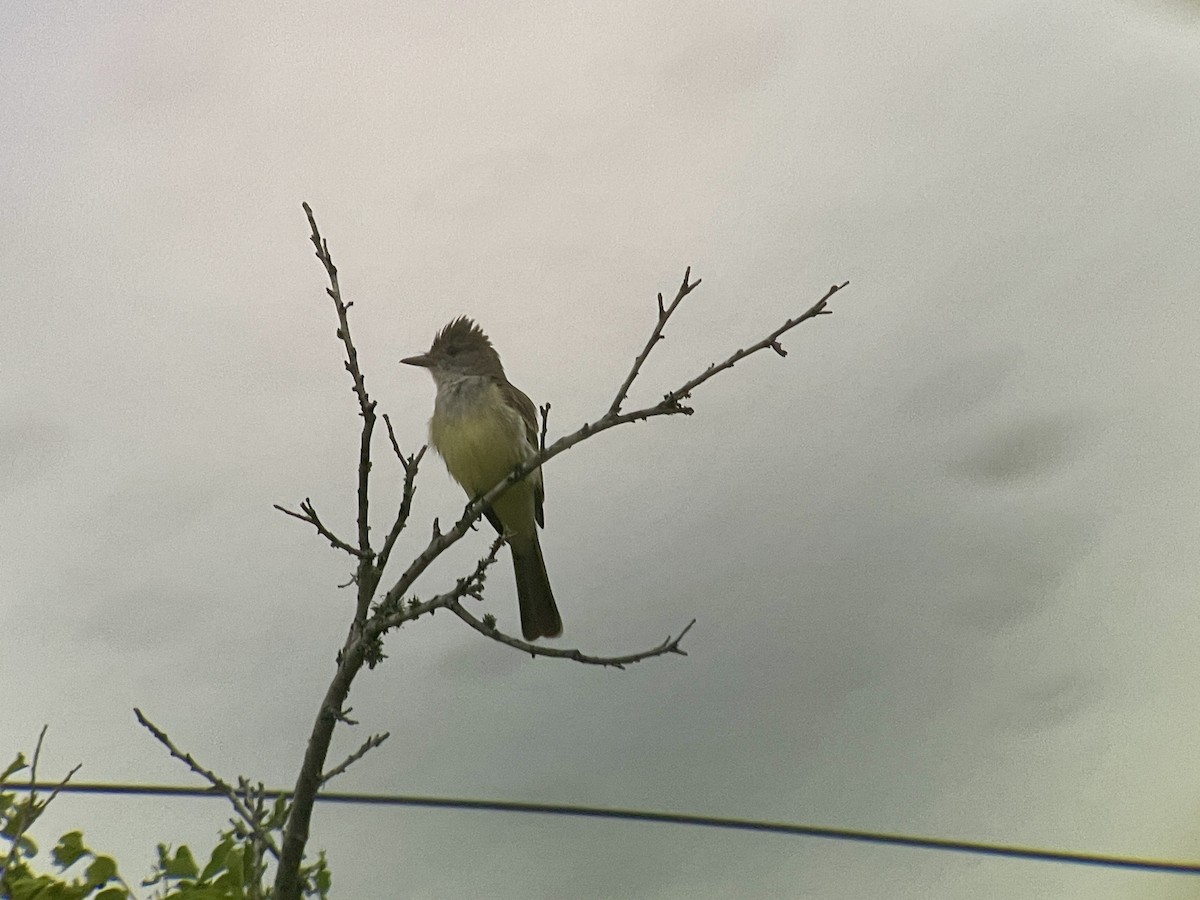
<point>308,513</point>
<point>367,746</point>
<point>656,335</point>
<point>219,785</point>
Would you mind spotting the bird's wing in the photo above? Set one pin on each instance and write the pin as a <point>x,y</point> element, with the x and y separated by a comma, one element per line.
<point>517,399</point>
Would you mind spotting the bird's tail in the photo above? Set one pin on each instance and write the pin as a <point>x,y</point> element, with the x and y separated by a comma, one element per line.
<point>539,614</point>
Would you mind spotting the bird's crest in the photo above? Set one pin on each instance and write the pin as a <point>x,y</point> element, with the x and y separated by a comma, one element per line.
<point>461,332</point>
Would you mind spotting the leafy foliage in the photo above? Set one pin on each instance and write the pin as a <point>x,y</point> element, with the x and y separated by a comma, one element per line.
<point>234,870</point>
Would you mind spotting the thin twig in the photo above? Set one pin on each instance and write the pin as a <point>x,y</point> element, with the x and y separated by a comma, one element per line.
<point>771,341</point>
<point>309,514</point>
<point>410,465</point>
<point>366,406</point>
<point>387,420</point>
<point>368,745</point>
<point>655,336</point>
<point>54,793</point>
<point>219,784</point>
<point>670,645</point>
<point>544,409</point>
<point>468,586</point>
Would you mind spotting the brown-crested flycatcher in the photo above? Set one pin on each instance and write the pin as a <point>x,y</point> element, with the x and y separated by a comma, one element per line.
<point>483,427</point>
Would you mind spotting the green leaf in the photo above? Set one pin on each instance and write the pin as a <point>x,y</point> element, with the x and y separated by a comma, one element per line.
<point>233,863</point>
<point>323,881</point>
<point>224,887</point>
<point>26,846</point>
<point>113,893</point>
<point>101,871</point>
<point>182,865</point>
<point>15,766</point>
<point>20,817</point>
<point>279,813</point>
<point>216,862</point>
<point>69,849</point>
<point>233,881</point>
<point>197,892</point>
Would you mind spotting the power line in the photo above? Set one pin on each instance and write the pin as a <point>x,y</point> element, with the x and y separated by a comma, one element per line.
<point>1008,851</point>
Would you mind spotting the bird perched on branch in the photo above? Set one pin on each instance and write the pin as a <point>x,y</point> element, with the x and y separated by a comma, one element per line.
<point>483,427</point>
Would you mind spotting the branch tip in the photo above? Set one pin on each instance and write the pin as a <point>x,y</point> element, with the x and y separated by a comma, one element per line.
<point>545,411</point>
<point>670,645</point>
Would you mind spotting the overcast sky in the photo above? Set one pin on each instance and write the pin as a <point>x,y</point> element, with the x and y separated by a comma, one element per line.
<point>942,557</point>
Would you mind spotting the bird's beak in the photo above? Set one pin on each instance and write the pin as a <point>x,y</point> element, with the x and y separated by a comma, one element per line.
<point>422,360</point>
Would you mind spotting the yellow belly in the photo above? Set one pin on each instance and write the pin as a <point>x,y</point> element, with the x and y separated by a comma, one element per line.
<point>480,442</point>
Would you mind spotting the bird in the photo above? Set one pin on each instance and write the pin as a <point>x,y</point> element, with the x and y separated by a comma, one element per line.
<point>483,426</point>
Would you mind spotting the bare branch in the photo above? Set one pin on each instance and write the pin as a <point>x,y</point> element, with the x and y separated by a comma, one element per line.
<point>219,784</point>
<point>410,465</point>
<point>397,614</point>
<point>308,513</point>
<point>356,651</point>
<point>656,335</point>
<point>366,405</point>
<point>771,341</point>
<point>33,773</point>
<point>544,409</point>
<point>405,461</point>
<point>670,645</point>
<point>368,745</point>
<point>37,755</point>
<point>288,883</point>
